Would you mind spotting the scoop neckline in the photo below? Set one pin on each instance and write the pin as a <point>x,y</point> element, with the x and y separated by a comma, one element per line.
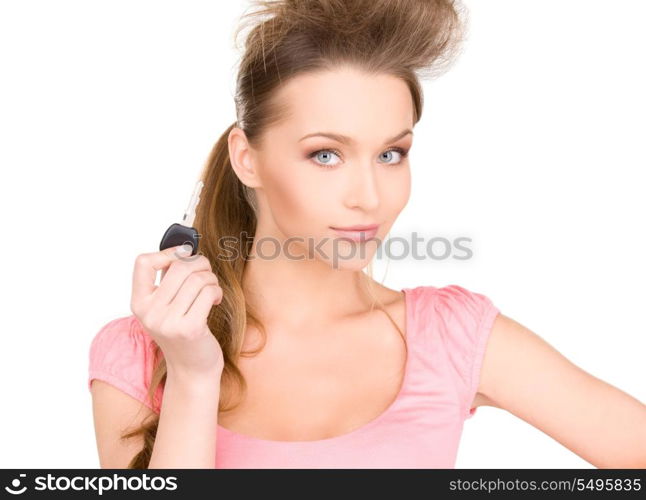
<point>408,329</point>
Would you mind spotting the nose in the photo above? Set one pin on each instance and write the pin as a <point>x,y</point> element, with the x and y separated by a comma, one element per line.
<point>362,187</point>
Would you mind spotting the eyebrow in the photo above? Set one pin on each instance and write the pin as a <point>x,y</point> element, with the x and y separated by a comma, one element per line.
<point>347,140</point>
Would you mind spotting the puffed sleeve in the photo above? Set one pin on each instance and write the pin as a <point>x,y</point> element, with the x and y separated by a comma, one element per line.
<point>466,319</point>
<point>122,354</point>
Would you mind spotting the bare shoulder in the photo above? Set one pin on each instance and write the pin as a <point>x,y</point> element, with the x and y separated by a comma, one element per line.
<point>394,302</point>
<point>389,297</point>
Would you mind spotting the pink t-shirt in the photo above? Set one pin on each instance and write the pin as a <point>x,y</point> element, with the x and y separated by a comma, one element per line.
<point>447,330</point>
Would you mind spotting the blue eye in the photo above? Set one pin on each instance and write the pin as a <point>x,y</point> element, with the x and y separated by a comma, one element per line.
<point>325,155</point>
<point>388,154</point>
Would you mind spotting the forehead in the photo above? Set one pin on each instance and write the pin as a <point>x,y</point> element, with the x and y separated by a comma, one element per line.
<point>346,101</point>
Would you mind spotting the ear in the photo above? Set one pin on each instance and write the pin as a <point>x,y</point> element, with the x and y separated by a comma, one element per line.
<point>240,155</point>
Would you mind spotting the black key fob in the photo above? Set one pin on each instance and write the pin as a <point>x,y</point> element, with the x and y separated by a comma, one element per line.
<point>178,234</point>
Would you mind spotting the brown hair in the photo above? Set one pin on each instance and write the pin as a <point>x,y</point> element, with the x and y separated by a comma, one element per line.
<point>409,39</point>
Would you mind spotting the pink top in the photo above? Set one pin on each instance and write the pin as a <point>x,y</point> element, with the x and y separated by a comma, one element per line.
<point>447,330</point>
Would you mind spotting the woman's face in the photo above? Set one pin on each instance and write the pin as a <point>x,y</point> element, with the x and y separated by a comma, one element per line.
<point>309,184</point>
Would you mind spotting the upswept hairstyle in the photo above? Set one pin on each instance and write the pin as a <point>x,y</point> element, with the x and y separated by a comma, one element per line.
<point>409,39</point>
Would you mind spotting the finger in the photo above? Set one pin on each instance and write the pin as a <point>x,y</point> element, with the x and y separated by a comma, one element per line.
<point>175,276</point>
<point>203,303</point>
<point>145,271</point>
<point>179,252</point>
<point>189,290</point>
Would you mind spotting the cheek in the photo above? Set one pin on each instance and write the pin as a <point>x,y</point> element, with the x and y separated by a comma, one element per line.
<point>396,188</point>
<point>296,196</point>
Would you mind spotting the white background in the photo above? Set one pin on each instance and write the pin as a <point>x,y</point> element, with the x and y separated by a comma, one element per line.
<point>532,144</point>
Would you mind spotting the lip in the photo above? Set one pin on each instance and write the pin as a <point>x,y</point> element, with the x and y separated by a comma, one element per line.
<point>357,233</point>
<point>357,228</point>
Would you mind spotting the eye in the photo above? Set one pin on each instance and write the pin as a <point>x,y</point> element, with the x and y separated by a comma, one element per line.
<point>326,157</point>
<point>389,154</point>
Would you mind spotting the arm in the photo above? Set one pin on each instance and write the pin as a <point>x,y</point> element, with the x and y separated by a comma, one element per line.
<point>115,412</point>
<point>523,374</point>
<point>186,435</point>
<point>186,430</point>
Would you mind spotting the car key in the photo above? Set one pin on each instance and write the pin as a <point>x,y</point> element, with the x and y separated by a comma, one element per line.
<point>182,233</point>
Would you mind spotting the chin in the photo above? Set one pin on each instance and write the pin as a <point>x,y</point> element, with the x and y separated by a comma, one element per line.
<point>353,263</point>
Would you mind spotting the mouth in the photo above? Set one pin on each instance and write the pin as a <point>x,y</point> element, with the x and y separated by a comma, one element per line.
<point>357,233</point>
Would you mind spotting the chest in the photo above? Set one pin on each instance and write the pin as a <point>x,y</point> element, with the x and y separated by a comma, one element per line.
<point>320,384</point>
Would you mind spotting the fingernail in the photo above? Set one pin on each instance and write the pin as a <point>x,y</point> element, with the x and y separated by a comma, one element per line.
<point>184,249</point>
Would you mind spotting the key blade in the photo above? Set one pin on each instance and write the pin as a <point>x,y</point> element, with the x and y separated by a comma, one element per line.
<point>189,215</point>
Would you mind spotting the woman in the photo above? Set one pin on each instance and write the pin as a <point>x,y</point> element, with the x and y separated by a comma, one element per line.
<point>272,348</point>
